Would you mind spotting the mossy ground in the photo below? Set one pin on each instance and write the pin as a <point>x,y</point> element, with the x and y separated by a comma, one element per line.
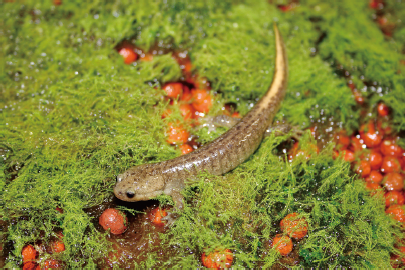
<point>74,116</point>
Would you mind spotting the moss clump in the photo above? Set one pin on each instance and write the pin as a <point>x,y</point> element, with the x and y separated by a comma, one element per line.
<point>242,211</point>
<point>74,116</point>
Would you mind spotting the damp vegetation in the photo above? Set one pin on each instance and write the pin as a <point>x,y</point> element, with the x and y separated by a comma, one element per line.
<point>74,116</point>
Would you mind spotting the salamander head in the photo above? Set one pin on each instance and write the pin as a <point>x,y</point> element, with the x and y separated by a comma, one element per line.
<point>140,183</point>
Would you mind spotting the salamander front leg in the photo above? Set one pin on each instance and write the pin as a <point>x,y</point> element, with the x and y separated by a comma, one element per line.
<point>178,200</point>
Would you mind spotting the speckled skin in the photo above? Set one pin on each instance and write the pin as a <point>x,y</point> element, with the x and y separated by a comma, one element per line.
<point>146,181</point>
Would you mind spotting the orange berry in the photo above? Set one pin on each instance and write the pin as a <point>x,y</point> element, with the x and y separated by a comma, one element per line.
<point>187,96</point>
<point>394,197</point>
<point>217,259</point>
<point>296,152</point>
<point>31,266</point>
<point>358,97</point>
<point>371,137</point>
<point>396,212</point>
<point>374,177</point>
<point>375,159</point>
<point>383,109</point>
<point>283,244</point>
<point>156,216</point>
<point>390,164</point>
<point>394,181</point>
<point>51,263</point>
<point>187,111</point>
<point>29,253</point>
<point>146,57</point>
<point>363,168</point>
<point>372,186</point>
<point>376,4</point>
<point>351,85</point>
<point>177,134</point>
<point>186,148</point>
<point>389,148</point>
<point>343,140</point>
<point>114,220</point>
<point>128,53</point>
<point>200,83</point>
<point>357,144</point>
<point>236,115</point>
<point>294,226</point>
<point>186,67</point>
<point>348,155</point>
<point>384,127</point>
<point>285,8</point>
<point>173,90</point>
<point>202,100</point>
<point>57,246</point>
<point>166,113</point>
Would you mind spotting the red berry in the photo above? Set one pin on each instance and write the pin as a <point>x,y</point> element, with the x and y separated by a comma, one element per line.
<point>375,160</point>
<point>29,253</point>
<point>217,259</point>
<point>187,111</point>
<point>363,168</point>
<point>383,109</point>
<point>156,216</point>
<point>357,143</point>
<point>396,212</point>
<point>177,134</point>
<point>372,186</point>
<point>57,246</point>
<point>389,148</point>
<point>202,100</point>
<point>358,97</point>
<point>236,115</point>
<point>146,57</point>
<point>173,90</point>
<point>186,148</point>
<point>390,164</point>
<point>343,139</point>
<point>50,264</point>
<point>294,226</point>
<point>31,265</point>
<point>394,197</point>
<point>286,8</point>
<point>348,155</point>
<point>187,96</point>
<point>113,219</point>
<point>374,177</point>
<point>283,244</point>
<point>128,54</point>
<point>394,181</point>
<point>371,137</point>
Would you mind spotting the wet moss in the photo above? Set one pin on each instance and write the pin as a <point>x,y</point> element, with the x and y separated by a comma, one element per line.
<point>74,116</point>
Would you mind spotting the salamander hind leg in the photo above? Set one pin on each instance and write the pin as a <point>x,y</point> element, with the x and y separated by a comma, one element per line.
<point>283,129</point>
<point>212,122</point>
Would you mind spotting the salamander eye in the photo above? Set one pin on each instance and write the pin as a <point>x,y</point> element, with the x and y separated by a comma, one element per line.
<point>130,194</point>
<point>119,179</point>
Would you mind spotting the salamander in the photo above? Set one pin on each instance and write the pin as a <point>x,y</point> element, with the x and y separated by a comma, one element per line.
<point>143,182</point>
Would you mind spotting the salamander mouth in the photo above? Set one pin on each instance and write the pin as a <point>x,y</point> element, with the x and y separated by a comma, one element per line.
<point>130,194</point>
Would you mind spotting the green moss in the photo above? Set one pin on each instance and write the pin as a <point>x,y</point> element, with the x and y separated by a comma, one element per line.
<point>74,116</point>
